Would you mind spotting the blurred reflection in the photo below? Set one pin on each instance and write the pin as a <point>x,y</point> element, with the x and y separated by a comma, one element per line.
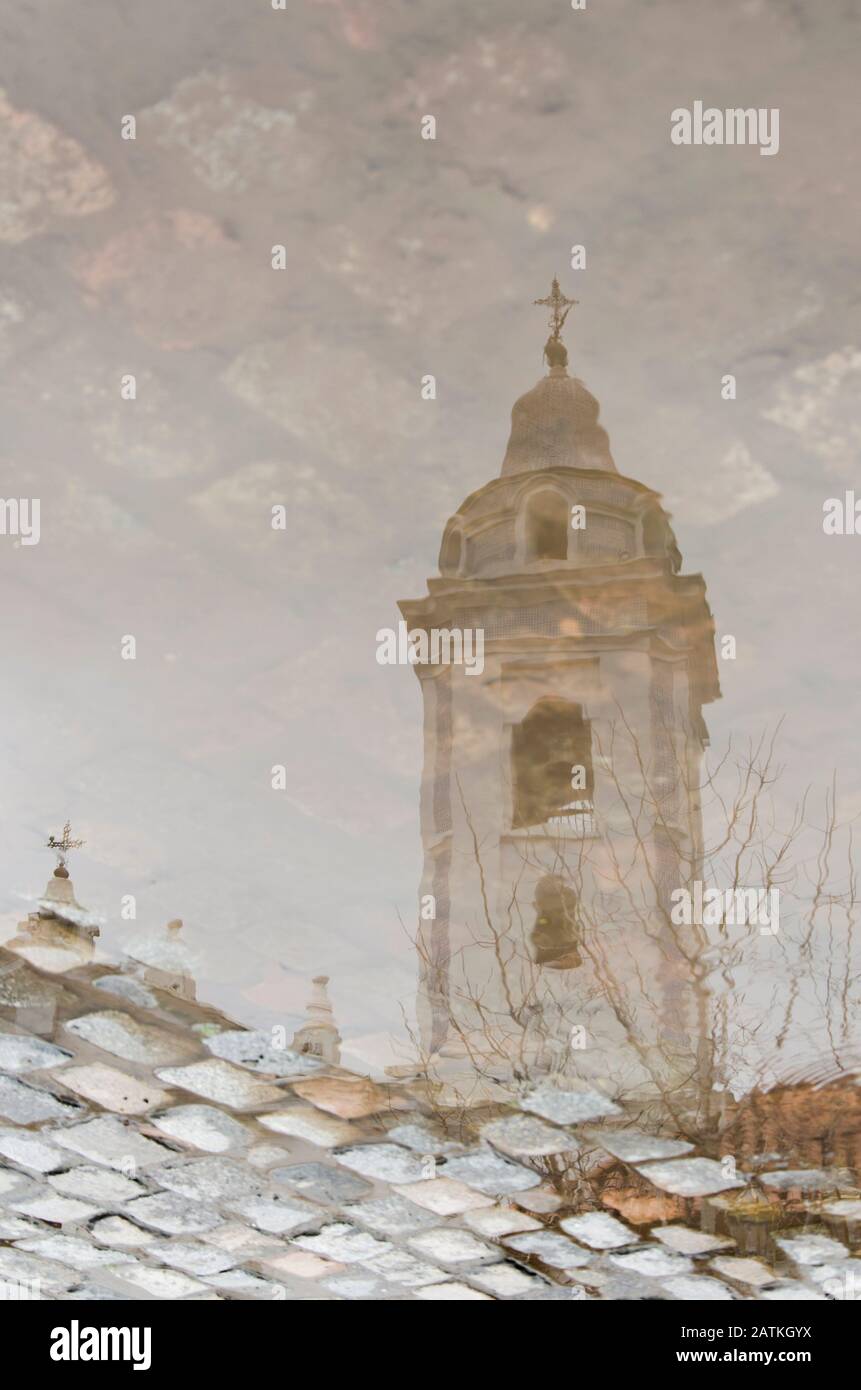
<point>560,797</point>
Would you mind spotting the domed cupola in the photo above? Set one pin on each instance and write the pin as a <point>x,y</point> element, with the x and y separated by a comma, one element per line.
<point>555,425</point>
<point>559,501</point>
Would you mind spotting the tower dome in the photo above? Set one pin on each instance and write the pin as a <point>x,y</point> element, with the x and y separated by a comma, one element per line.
<point>555,425</point>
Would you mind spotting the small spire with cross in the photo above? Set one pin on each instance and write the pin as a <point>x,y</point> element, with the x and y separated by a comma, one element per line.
<point>62,846</point>
<point>560,307</point>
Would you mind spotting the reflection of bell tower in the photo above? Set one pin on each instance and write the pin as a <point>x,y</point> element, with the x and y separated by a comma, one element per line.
<point>559,804</point>
<point>60,935</point>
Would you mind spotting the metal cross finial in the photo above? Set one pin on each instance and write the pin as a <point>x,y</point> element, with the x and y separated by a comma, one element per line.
<point>62,846</point>
<point>559,306</point>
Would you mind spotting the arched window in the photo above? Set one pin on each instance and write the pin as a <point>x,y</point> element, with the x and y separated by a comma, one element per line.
<point>546,527</point>
<point>449,560</point>
<point>551,756</point>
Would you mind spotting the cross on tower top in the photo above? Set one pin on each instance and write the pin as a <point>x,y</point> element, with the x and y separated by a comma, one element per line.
<point>62,846</point>
<point>560,307</point>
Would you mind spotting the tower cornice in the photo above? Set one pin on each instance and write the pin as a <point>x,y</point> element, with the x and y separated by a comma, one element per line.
<point>559,580</point>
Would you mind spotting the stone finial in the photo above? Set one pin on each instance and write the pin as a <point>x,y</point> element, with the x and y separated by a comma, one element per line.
<point>319,1005</point>
<point>319,1034</point>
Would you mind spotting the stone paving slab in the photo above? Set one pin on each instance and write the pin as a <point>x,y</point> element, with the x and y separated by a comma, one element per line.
<point>306,1122</point>
<point>24,1104</point>
<point>568,1107</point>
<point>222,1083</point>
<point>689,1177</point>
<point>523,1136</point>
<point>633,1147</point>
<point>20,1053</point>
<point>257,1052</point>
<point>112,1089</point>
<point>599,1231</point>
<point>123,1036</point>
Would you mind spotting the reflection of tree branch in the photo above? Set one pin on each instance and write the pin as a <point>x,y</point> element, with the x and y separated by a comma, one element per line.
<point>511,1026</point>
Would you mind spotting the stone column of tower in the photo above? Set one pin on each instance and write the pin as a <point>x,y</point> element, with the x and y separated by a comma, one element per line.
<point>559,802</point>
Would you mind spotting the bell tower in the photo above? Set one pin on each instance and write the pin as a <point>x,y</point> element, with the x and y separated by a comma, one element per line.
<point>560,792</point>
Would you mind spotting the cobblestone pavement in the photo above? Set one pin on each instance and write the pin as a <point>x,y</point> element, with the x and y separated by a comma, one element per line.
<point>150,1148</point>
